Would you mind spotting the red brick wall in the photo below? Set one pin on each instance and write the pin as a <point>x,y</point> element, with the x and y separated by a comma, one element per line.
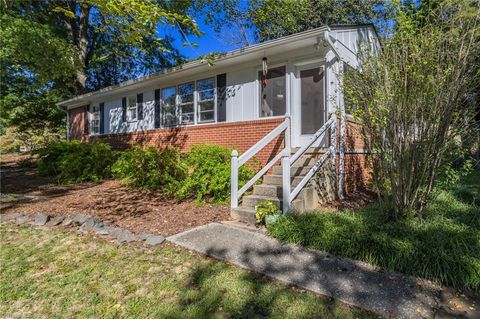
<point>238,135</point>
<point>77,123</point>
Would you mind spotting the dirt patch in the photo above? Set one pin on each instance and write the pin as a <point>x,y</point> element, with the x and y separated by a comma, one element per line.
<point>113,203</point>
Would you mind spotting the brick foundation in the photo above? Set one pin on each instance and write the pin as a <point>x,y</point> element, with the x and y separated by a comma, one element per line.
<point>238,135</point>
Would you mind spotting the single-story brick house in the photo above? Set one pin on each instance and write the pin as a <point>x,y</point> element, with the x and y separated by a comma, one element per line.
<point>245,95</point>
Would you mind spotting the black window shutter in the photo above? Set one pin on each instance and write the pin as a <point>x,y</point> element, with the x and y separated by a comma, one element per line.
<point>102,118</point>
<point>140,106</point>
<point>86,124</point>
<point>157,108</point>
<point>221,97</point>
<point>124,109</point>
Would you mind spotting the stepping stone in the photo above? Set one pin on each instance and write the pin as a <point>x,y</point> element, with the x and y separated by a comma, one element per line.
<point>41,219</point>
<point>79,220</point>
<point>154,240</point>
<point>55,221</point>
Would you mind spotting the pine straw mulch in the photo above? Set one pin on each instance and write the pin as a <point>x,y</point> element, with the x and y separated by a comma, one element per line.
<point>132,209</point>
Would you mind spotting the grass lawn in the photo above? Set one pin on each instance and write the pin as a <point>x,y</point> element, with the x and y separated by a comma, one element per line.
<point>57,274</point>
<point>444,246</point>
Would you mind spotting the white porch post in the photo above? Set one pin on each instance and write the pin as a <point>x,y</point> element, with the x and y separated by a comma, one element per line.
<point>234,180</point>
<point>341,169</point>
<point>286,166</point>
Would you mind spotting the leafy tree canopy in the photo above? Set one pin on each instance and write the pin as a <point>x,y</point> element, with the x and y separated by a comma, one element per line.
<point>51,50</point>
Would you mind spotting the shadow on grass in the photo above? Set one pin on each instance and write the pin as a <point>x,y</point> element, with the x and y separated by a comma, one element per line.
<point>444,246</point>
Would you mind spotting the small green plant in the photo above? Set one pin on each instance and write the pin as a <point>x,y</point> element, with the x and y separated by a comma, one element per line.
<point>151,168</point>
<point>265,208</point>
<point>210,174</point>
<point>74,162</point>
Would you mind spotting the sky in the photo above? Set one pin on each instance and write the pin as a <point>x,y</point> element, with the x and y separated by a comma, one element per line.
<point>207,43</point>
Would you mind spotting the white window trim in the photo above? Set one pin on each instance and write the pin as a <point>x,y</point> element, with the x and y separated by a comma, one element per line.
<point>128,108</point>
<point>92,119</point>
<point>197,108</point>
<point>179,105</point>
<point>195,102</point>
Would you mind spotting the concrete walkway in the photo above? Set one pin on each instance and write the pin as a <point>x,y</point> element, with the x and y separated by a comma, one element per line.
<point>392,295</point>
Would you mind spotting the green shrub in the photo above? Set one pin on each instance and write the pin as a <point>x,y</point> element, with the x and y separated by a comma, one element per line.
<point>443,246</point>
<point>74,162</point>
<point>151,168</point>
<point>210,174</point>
<point>266,207</point>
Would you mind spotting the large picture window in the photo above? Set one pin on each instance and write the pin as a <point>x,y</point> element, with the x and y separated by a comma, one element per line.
<point>273,92</point>
<point>169,114</point>
<point>206,100</point>
<point>185,103</point>
<point>132,108</point>
<point>95,121</point>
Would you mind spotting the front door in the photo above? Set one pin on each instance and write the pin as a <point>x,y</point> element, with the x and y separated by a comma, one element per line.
<point>310,103</point>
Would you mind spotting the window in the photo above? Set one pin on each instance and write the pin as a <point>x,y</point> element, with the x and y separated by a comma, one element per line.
<point>185,103</point>
<point>206,100</point>
<point>132,108</point>
<point>95,122</point>
<point>272,92</point>
<point>169,115</point>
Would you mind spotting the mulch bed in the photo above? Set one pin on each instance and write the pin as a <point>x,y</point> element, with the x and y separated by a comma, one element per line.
<point>110,201</point>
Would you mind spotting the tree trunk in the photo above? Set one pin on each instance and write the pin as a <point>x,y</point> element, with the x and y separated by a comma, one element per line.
<point>82,45</point>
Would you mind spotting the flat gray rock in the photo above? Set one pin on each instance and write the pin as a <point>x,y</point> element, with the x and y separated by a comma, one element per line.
<point>23,219</point>
<point>67,221</point>
<point>91,223</point>
<point>41,219</point>
<point>125,236</point>
<point>101,229</point>
<point>55,221</point>
<point>8,218</point>
<point>392,295</point>
<point>154,240</point>
<point>143,235</point>
<point>79,220</point>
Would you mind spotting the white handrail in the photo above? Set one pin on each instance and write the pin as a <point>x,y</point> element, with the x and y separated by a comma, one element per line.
<point>288,196</point>
<point>263,142</point>
<point>237,161</point>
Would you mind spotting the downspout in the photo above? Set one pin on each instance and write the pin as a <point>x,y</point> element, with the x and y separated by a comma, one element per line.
<point>68,120</point>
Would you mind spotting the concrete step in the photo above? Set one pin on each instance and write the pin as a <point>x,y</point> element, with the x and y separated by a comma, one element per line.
<point>294,170</point>
<point>268,190</point>
<point>243,214</point>
<point>277,180</point>
<point>251,201</point>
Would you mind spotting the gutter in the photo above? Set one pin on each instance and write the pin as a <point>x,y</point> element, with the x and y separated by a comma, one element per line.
<point>68,119</point>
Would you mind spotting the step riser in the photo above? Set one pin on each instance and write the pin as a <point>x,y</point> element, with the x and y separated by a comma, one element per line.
<point>277,180</point>
<point>267,190</point>
<point>243,215</point>
<point>250,202</point>
<point>294,171</point>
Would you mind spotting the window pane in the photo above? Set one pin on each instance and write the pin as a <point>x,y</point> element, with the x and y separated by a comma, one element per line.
<point>169,117</point>
<point>188,118</point>
<point>206,106</point>
<point>273,92</point>
<point>185,93</point>
<point>132,101</point>
<point>206,89</point>
<point>207,116</point>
